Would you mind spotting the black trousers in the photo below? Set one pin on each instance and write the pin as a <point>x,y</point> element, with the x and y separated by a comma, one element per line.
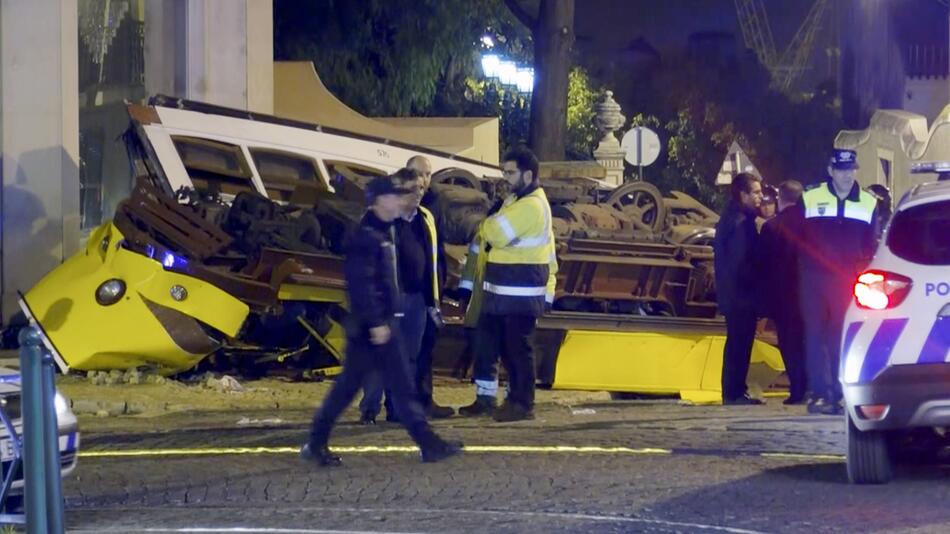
<point>363,359</point>
<point>740,334</point>
<point>823,309</point>
<point>510,337</point>
<point>791,342</point>
<point>424,364</point>
<point>412,327</point>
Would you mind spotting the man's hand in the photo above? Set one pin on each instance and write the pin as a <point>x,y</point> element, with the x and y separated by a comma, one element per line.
<point>379,335</point>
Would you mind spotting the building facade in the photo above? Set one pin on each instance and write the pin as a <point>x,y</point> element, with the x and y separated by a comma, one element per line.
<point>66,69</point>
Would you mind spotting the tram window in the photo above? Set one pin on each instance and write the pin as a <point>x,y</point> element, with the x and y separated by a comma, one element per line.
<point>213,166</point>
<point>287,176</point>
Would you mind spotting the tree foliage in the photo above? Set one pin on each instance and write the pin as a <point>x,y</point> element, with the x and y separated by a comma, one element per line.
<point>699,108</point>
<point>385,57</point>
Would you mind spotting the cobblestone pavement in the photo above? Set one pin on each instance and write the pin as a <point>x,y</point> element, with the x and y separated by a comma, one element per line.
<point>680,469</point>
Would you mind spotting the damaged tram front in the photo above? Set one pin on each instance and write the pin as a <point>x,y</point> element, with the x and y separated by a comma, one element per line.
<point>227,255</point>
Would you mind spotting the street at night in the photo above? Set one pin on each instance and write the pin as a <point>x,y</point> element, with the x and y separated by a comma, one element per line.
<point>585,463</point>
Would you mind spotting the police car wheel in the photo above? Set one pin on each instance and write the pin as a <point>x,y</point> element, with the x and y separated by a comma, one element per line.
<point>869,456</point>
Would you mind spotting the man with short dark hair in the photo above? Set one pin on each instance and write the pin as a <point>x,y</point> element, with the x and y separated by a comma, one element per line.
<point>734,248</point>
<point>371,269</point>
<point>514,249</point>
<point>778,249</point>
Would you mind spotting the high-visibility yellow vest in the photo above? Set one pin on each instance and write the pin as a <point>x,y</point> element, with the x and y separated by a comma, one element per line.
<point>520,264</point>
<point>821,202</point>
<point>429,221</point>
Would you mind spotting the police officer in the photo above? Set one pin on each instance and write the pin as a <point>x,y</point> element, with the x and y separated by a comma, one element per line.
<point>418,253</point>
<point>515,253</point>
<point>839,231</point>
<point>374,293</point>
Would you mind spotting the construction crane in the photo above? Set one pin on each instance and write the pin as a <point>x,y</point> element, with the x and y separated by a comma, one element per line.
<point>757,34</point>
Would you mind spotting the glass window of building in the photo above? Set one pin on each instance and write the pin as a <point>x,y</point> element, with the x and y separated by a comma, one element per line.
<point>111,71</point>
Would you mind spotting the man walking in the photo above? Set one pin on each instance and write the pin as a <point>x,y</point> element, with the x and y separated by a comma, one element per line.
<point>778,247</point>
<point>417,253</point>
<point>839,228</point>
<point>371,268</point>
<point>516,248</point>
<point>734,249</point>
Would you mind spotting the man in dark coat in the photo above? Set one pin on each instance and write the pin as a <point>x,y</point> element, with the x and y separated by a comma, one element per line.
<point>778,251</point>
<point>734,248</point>
<point>371,268</point>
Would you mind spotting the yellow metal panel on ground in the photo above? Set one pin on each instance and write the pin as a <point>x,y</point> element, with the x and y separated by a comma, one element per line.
<point>311,293</point>
<point>126,334</point>
<point>648,362</point>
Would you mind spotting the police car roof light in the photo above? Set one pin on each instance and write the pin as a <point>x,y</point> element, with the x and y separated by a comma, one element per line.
<point>880,290</point>
<point>930,166</point>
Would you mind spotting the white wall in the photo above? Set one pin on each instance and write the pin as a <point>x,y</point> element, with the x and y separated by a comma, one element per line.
<point>40,142</point>
<point>926,96</point>
<point>216,51</point>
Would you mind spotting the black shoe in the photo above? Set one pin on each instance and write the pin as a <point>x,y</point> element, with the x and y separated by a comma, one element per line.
<point>510,412</point>
<point>320,456</point>
<point>434,411</point>
<point>791,401</point>
<point>744,400</point>
<point>483,405</point>
<point>391,418</point>
<point>367,419</point>
<point>824,407</point>
<point>440,450</point>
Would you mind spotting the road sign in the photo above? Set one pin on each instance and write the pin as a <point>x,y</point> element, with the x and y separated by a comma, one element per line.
<point>736,161</point>
<point>641,146</point>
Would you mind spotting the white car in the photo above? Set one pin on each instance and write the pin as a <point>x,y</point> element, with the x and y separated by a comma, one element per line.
<point>896,336</point>
<point>10,401</point>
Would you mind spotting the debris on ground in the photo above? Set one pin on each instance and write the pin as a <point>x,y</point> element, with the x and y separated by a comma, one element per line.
<point>583,411</point>
<point>246,421</point>
<point>226,383</point>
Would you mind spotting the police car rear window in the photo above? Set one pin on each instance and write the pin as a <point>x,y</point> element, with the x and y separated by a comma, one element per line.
<point>922,234</point>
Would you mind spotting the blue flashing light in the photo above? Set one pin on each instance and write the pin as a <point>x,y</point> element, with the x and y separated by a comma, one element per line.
<point>171,261</point>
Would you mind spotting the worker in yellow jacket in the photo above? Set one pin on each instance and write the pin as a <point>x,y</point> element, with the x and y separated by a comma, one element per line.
<point>515,262</point>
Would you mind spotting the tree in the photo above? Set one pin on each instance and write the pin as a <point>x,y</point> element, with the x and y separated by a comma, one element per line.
<point>385,57</point>
<point>552,30</point>
<point>699,109</point>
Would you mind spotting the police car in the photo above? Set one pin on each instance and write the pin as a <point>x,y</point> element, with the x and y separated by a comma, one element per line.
<point>896,336</point>
<point>10,402</point>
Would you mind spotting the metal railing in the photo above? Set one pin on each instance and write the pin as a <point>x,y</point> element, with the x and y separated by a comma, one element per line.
<point>38,449</point>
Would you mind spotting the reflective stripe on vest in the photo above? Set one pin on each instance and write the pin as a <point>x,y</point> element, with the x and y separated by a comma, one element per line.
<point>822,203</point>
<point>514,291</point>
<point>429,221</point>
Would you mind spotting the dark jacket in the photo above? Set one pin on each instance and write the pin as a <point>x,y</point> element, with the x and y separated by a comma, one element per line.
<point>777,266</point>
<point>734,248</point>
<point>841,234</point>
<point>372,285</point>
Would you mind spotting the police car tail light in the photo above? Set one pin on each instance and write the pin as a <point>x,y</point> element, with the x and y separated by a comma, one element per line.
<point>873,412</point>
<point>880,290</point>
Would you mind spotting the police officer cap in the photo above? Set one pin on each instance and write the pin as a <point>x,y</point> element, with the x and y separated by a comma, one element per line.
<point>843,159</point>
<point>383,185</point>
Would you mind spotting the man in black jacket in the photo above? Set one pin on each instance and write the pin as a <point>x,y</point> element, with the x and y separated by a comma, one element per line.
<point>734,248</point>
<point>418,250</point>
<point>778,251</point>
<point>371,268</point>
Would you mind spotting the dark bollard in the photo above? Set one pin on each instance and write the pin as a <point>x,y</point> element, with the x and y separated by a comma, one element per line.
<point>34,464</point>
<point>54,482</point>
<point>41,468</point>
